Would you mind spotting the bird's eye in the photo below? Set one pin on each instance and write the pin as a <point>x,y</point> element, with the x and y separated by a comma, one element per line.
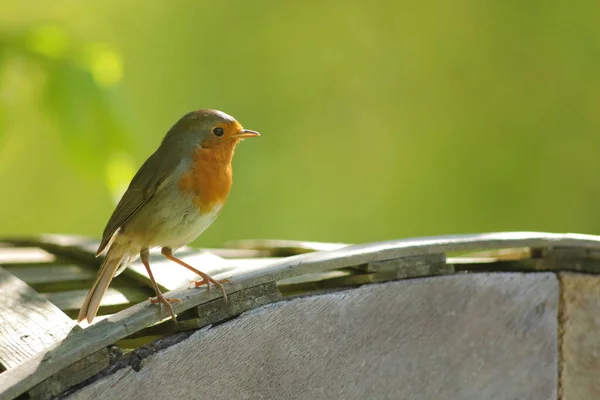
<point>218,131</point>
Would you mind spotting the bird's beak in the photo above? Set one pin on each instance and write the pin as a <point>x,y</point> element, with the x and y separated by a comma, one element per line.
<point>245,133</point>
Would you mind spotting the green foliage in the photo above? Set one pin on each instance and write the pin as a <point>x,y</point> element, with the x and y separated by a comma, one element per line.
<point>79,91</point>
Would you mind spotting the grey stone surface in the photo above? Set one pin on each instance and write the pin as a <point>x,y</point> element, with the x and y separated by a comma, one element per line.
<point>481,336</point>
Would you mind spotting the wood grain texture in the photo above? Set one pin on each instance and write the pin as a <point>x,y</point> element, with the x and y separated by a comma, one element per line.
<point>29,323</point>
<point>217,311</point>
<point>580,344</point>
<point>167,274</point>
<point>74,247</point>
<point>55,275</point>
<point>171,276</point>
<point>283,248</point>
<point>561,258</point>
<point>484,336</point>
<point>21,255</point>
<point>412,266</point>
<point>70,376</point>
<point>115,298</point>
<point>135,318</point>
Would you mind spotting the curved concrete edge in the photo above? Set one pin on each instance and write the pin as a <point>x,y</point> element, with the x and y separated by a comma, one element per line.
<point>480,336</point>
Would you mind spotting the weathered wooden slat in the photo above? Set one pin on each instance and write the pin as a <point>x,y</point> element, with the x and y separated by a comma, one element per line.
<point>488,264</point>
<point>471,260</point>
<point>380,271</point>
<point>216,311</point>
<point>284,248</point>
<point>411,267</point>
<point>512,254</point>
<point>45,274</point>
<point>116,298</point>
<point>170,275</point>
<point>29,323</point>
<point>20,255</point>
<point>568,259</point>
<point>237,253</point>
<point>78,248</point>
<point>579,336</point>
<point>70,376</point>
<point>314,277</point>
<point>256,261</point>
<point>241,301</point>
<point>322,282</point>
<point>21,378</point>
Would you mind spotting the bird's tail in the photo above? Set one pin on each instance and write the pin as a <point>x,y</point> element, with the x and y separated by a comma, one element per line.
<point>109,266</point>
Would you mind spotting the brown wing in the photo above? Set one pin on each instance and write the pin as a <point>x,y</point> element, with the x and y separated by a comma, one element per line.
<point>157,168</point>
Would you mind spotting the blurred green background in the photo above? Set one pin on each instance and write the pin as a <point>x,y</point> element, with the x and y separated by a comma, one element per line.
<point>379,119</point>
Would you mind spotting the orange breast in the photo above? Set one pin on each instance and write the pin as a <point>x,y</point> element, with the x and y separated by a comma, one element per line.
<point>210,178</point>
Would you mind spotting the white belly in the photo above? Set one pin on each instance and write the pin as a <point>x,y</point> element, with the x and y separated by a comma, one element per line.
<point>188,224</point>
<point>173,226</point>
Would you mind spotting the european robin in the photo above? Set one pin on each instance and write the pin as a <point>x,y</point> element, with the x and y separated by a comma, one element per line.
<point>176,194</point>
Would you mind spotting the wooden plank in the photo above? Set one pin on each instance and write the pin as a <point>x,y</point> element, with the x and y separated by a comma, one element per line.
<point>241,301</point>
<point>21,255</point>
<point>77,248</point>
<point>411,267</point>
<point>170,275</point>
<point>252,262</point>
<point>72,244</point>
<point>579,337</point>
<point>513,254</point>
<point>54,276</point>
<point>313,278</point>
<point>380,271</point>
<point>236,253</point>
<point>29,324</point>
<point>19,379</point>
<point>569,259</point>
<point>215,311</point>
<point>284,248</point>
<point>115,299</point>
<point>484,264</point>
<point>323,282</point>
<point>70,376</point>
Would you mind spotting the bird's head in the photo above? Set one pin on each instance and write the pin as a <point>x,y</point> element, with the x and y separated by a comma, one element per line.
<point>210,129</point>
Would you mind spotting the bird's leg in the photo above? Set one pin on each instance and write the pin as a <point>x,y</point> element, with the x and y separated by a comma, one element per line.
<point>144,255</point>
<point>206,279</point>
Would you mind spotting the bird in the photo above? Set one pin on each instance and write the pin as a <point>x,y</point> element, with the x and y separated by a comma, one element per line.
<point>174,197</point>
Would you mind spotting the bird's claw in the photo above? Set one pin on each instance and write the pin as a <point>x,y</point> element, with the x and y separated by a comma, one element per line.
<point>207,280</point>
<point>167,302</point>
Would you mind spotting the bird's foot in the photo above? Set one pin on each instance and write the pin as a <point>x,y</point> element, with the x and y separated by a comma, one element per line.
<point>207,280</point>
<point>167,302</point>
